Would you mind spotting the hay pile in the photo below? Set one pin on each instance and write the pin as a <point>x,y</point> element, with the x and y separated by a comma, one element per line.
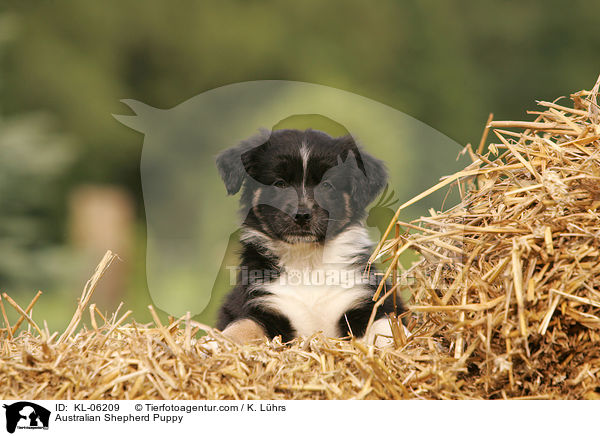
<point>506,300</point>
<point>512,273</point>
<point>112,359</point>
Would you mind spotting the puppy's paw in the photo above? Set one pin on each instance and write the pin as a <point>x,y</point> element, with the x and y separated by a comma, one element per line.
<point>244,331</point>
<point>380,334</point>
<point>210,345</point>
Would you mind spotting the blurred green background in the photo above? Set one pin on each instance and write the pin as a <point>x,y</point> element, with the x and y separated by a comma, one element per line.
<point>69,172</point>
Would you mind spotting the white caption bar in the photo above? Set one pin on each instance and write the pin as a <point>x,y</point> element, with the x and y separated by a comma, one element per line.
<point>22,417</point>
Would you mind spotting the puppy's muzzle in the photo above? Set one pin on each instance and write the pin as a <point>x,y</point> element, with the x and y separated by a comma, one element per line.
<point>303,215</point>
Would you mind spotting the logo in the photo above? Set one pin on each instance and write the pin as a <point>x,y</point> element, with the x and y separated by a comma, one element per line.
<point>26,415</point>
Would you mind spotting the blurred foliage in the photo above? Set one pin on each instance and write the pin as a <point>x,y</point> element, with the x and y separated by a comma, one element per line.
<point>447,63</point>
<point>34,159</point>
<point>32,164</point>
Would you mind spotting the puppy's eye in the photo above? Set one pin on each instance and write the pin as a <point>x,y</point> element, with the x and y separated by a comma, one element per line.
<point>280,184</point>
<point>327,186</point>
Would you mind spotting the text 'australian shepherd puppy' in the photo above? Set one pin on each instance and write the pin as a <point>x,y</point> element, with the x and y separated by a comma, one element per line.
<point>304,246</point>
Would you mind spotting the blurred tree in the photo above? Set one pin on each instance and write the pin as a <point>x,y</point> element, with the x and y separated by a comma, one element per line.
<point>33,162</point>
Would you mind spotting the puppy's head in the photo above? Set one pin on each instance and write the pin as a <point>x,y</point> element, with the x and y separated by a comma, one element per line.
<point>301,186</point>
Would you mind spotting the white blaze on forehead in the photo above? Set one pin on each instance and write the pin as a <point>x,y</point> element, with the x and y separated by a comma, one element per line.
<point>256,197</point>
<point>304,152</point>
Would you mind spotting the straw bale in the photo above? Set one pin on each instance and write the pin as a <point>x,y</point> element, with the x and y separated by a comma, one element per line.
<point>512,273</point>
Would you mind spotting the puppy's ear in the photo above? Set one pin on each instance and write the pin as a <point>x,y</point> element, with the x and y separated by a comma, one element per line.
<point>231,169</point>
<point>230,162</point>
<point>369,180</point>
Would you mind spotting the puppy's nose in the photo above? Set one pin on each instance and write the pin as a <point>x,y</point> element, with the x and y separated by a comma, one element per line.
<point>303,215</point>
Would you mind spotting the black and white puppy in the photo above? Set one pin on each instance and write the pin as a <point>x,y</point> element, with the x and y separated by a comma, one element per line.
<point>304,246</point>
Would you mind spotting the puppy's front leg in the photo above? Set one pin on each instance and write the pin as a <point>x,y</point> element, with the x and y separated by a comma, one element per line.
<point>380,334</point>
<point>244,330</point>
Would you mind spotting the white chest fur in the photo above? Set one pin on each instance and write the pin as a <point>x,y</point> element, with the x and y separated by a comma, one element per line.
<point>318,282</point>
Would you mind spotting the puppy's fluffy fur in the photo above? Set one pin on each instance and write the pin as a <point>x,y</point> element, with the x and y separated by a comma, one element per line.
<point>304,247</point>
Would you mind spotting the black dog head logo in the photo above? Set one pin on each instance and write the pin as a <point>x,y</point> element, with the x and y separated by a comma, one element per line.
<point>26,414</point>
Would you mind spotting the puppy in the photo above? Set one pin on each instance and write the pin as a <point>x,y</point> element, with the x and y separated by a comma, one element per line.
<point>304,246</point>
